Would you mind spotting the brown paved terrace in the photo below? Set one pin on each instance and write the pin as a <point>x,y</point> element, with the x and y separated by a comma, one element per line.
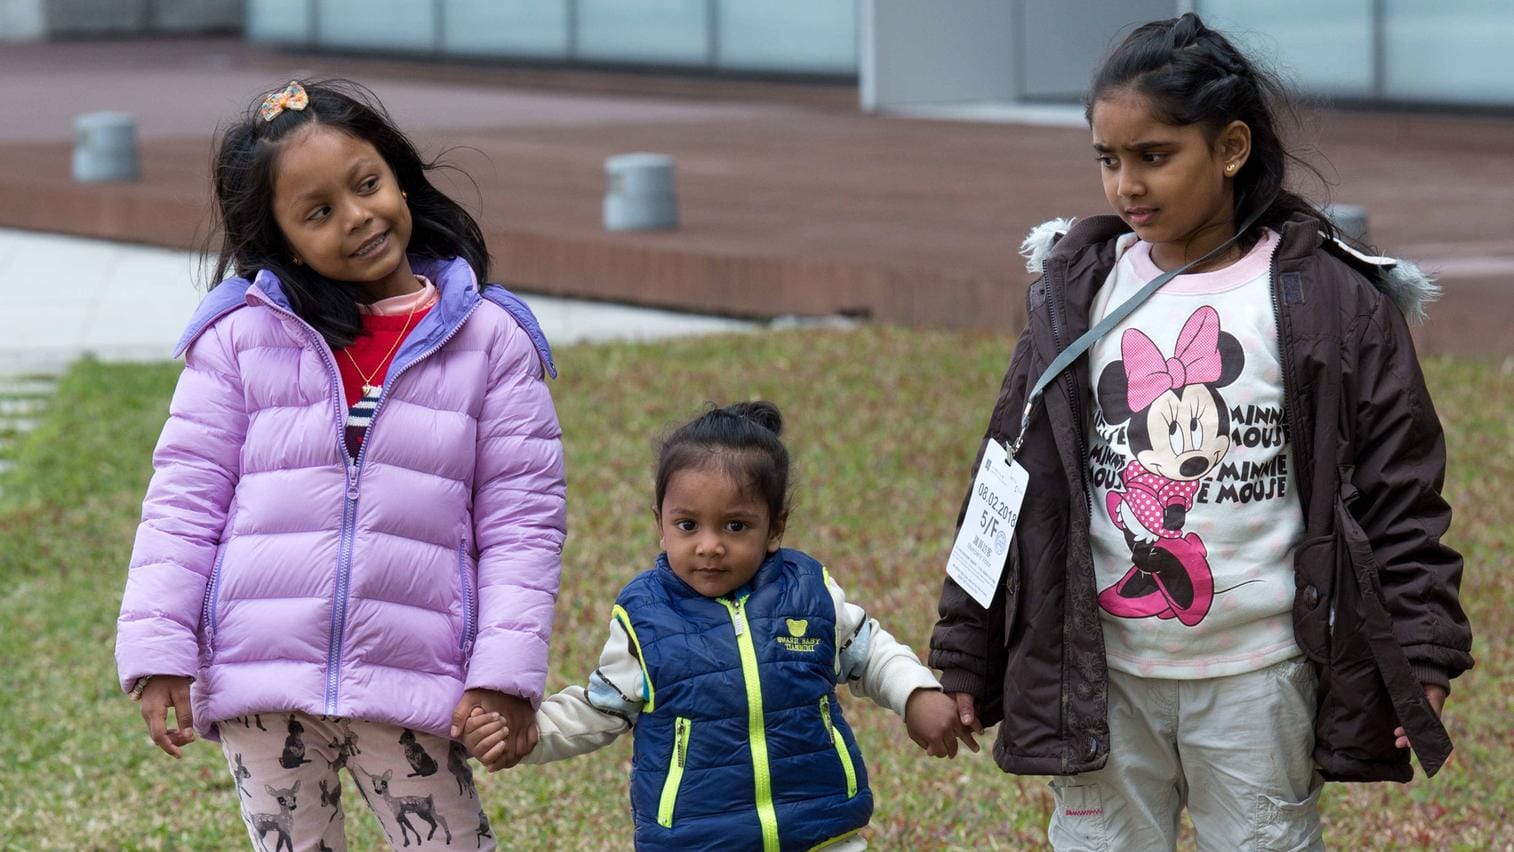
<point>792,200</point>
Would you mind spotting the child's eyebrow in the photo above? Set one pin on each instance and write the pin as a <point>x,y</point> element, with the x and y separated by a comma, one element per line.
<point>363,163</point>
<point>1137,146</point>
<point>739,514</point>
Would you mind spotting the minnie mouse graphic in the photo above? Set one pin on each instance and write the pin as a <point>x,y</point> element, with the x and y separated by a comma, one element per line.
<point>1179,431</point>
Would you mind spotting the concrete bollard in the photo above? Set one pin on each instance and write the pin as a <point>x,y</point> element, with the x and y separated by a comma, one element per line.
<point>105,147</point>
<point>639,193</point>
<point>1350,220</point>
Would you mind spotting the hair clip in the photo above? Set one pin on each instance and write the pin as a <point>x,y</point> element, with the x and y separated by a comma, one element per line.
<point>292,96</point>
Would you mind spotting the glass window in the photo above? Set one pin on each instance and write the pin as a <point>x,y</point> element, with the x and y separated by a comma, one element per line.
<point>279,21</point>
<point>1318,47</point>
<point>535,28</point>
<point>1456,51</point>
<point>1062,43</point>
<point>818,36</point>
<point>366,24</point>
<point>657,32</point>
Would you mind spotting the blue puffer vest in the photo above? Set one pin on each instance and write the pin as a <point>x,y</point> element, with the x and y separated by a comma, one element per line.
<point>741,744</point>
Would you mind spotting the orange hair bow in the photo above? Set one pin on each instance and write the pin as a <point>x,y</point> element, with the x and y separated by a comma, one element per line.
<point>292,96</point>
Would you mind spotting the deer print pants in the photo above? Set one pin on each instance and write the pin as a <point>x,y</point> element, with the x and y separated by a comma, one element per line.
<point>286,767</point>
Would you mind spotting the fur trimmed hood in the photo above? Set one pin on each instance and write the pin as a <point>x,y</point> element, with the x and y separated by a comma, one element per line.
<point>1410,287</point>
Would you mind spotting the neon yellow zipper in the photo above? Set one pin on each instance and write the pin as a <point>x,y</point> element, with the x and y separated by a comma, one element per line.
<point>756,730</point>
<point>841,752</point>
<point>681,729</point>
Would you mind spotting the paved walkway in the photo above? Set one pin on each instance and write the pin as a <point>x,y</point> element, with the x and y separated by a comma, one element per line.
<point>127,302</point>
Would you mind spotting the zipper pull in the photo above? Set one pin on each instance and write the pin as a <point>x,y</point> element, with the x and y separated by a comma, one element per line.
<point>739,619</point>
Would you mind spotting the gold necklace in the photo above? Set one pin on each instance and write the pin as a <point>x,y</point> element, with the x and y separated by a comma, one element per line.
<point>368,385</point>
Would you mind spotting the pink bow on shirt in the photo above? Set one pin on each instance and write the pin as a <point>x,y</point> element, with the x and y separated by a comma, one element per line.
<point>1196,359</point>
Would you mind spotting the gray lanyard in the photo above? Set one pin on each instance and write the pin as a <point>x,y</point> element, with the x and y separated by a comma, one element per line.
<point>1112,319</point>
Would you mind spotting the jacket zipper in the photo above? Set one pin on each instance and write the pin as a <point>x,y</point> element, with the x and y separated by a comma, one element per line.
<point>682,727</point>
<point>756,729</point>
<point>349,508</point>
<point>1071,387</point>
<point>1285,353</point>
<point>354,472</point>
<point>469,619</point>
<point>840,744</point>
<point>208,608</point>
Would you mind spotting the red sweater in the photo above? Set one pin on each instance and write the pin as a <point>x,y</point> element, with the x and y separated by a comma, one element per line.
<point>372,351</point>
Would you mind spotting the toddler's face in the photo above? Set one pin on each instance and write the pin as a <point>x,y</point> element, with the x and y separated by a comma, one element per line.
<point>716,535</point>
<point>341,208</point>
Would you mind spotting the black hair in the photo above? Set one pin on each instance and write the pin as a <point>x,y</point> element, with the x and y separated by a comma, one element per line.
<point>250,239</point>
<point>743,440</point>
<point>1190,74</point>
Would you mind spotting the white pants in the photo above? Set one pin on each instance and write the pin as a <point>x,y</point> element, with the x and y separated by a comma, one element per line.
<point>1236,751</point>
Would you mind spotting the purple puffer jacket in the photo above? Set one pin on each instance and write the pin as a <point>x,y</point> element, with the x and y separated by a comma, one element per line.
<point>282,575</point>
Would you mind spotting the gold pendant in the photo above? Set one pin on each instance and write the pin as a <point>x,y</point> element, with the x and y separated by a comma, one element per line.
<point>368,390</point>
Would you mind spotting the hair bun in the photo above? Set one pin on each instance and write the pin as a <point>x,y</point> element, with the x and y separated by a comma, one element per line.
<point>1186,30</point>
<point>761,412</point>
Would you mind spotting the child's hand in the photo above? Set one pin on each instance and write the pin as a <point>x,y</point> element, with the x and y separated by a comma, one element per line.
<point>487,738</point>
<point>931,718</point>
<point>519,720</point>
<point>161,693</point>
<point>1436,695</point>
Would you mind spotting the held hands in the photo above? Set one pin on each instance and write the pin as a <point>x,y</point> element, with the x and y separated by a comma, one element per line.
<point>1436,695</point>
<point>498,729</point>
<point>934,723</point>
<point>161,693</point>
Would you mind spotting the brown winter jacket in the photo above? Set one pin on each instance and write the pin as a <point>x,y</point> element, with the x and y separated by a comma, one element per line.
<point>1376,606</point>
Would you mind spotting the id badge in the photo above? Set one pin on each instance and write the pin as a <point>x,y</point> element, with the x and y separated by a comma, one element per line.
<point>982,545</point>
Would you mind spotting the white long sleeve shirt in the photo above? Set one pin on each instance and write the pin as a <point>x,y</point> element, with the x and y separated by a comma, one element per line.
<point>1210,493</point>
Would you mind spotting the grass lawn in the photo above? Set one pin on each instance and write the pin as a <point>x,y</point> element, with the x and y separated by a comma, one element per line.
<point>883,424</point>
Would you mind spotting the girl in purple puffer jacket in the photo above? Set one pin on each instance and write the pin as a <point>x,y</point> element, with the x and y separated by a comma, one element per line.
<point>313,584</point>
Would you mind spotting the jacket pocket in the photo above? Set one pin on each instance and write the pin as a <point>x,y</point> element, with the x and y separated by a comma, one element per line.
<point>470,608</point>
<point>1368,670</point>
<point>840,744</point>
<point>1314,565</point>
<point>682,728</point>
<point>208,606</point>
<point>1011,591</point>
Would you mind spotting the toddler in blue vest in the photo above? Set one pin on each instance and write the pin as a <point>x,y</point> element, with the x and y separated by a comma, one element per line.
<point>724,660</point>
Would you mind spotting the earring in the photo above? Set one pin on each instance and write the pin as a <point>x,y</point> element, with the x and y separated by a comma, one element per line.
<point>297,261</point>
<point>405,195</point>
<point>1230,169</point>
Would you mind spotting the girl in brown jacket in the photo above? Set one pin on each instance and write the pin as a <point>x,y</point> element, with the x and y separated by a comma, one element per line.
<point>1226,583</point>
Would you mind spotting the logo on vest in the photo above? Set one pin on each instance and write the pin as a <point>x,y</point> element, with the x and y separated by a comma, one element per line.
<point>796,641</point>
